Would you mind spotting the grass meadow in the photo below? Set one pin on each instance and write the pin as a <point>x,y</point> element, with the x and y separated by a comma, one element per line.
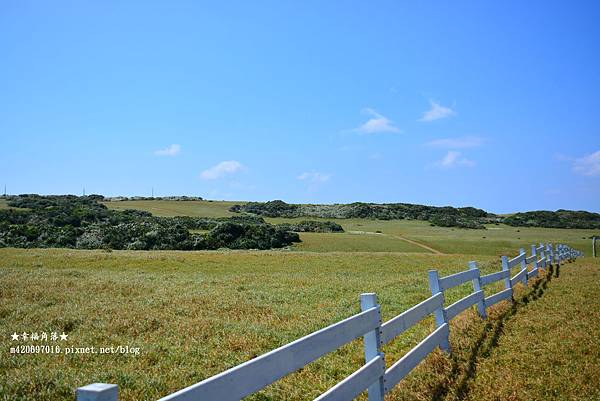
<point>195,314</point>
<point>202,208</point>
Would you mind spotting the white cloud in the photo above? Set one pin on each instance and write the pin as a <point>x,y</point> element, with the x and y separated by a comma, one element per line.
<point>314,177</point>
<point>454,159</point>
<point>172,150</point>
<point>222,169</point>
<point>457,143</point>
<point>588,165</point>
<point>437,112</point>
<point>377,124</point>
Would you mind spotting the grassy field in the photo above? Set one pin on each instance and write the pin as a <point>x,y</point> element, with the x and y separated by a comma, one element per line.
<point>195,314</point>
<point>354,242</point>
<point>178,208</point>
<point>550,348</point>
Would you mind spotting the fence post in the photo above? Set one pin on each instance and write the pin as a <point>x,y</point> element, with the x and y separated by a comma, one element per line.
<point>524,265</point>
<point>562,253</point>
<point>372,341</point>
<point>98,392</point>
<point>543,255</point>
<point>440,314</point>
<point>477,287</point>
<point>550,253</point>
<point>535,259</point>
<point>507,283</point>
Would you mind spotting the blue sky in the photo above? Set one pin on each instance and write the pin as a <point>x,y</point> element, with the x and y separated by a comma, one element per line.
<point>490,104</point>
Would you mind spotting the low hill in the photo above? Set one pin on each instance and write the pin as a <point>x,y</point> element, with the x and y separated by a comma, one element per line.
<point>559,219</point>
<point>447,216</point>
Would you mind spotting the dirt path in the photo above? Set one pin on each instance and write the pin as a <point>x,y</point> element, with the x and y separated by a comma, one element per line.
<point>410,241</point>
<point>417,244</point>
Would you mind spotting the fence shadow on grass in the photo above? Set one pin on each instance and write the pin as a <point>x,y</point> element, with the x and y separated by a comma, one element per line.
<point>464,368</point>
<point>256,374</point>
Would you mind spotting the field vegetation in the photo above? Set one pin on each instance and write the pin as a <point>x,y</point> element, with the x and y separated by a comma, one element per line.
<point>82,222</point>
<point>195,208</point>
<point>195,314</point>
<point>466,217</point>
<point>548,349</point>
<point>447,216</point>
<point>558,219</point>
<point>367,235</point>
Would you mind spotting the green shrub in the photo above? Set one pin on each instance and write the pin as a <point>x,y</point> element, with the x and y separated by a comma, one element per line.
<point>313,227</point>
<point>466,217</point>
<point>559,219</point>
<point>82,222</point>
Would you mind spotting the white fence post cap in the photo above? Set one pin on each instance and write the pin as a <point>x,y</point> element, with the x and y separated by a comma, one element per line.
<point>98,392</point>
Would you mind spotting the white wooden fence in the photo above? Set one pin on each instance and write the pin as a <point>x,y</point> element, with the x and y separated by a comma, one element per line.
<point>255,374</point>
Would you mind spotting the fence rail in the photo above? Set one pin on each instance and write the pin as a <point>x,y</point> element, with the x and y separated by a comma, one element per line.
<point>255,374</point>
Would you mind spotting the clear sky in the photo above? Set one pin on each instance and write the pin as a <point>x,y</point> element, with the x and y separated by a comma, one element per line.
<point>489,104</point>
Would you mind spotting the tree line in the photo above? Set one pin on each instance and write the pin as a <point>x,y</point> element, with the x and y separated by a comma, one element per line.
<point>446,216</point>
<point>463,217</point>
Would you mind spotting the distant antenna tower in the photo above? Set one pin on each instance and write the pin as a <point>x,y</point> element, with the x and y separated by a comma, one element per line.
<point>153,192</point>
<point>83,191</point>
<point>4,189</point>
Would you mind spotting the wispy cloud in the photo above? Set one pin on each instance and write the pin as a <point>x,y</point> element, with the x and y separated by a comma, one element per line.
<point>588,165</point>
<point>376,124</point>
<point>454,159</point>
<point>221,170</point>
<point>561,157</point>
<point>171,150</point>
<point>314,177</point>
<point>436,112</point>
<point>457,143</point>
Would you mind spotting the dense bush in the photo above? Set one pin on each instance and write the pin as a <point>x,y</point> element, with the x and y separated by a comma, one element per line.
<point>559,219</point>
<point>276,208</point>
<point>467,217</point>
<point>82,222</point>
<point>455,221</point>
<point>250,236</point>
<point>313,227</point>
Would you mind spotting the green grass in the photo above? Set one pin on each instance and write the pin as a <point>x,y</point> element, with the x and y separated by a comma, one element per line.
<point>353,242</point>
<point>194,314</point>
<point>545,348</point>
<point>3,204</point>
<point>178,208</point>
